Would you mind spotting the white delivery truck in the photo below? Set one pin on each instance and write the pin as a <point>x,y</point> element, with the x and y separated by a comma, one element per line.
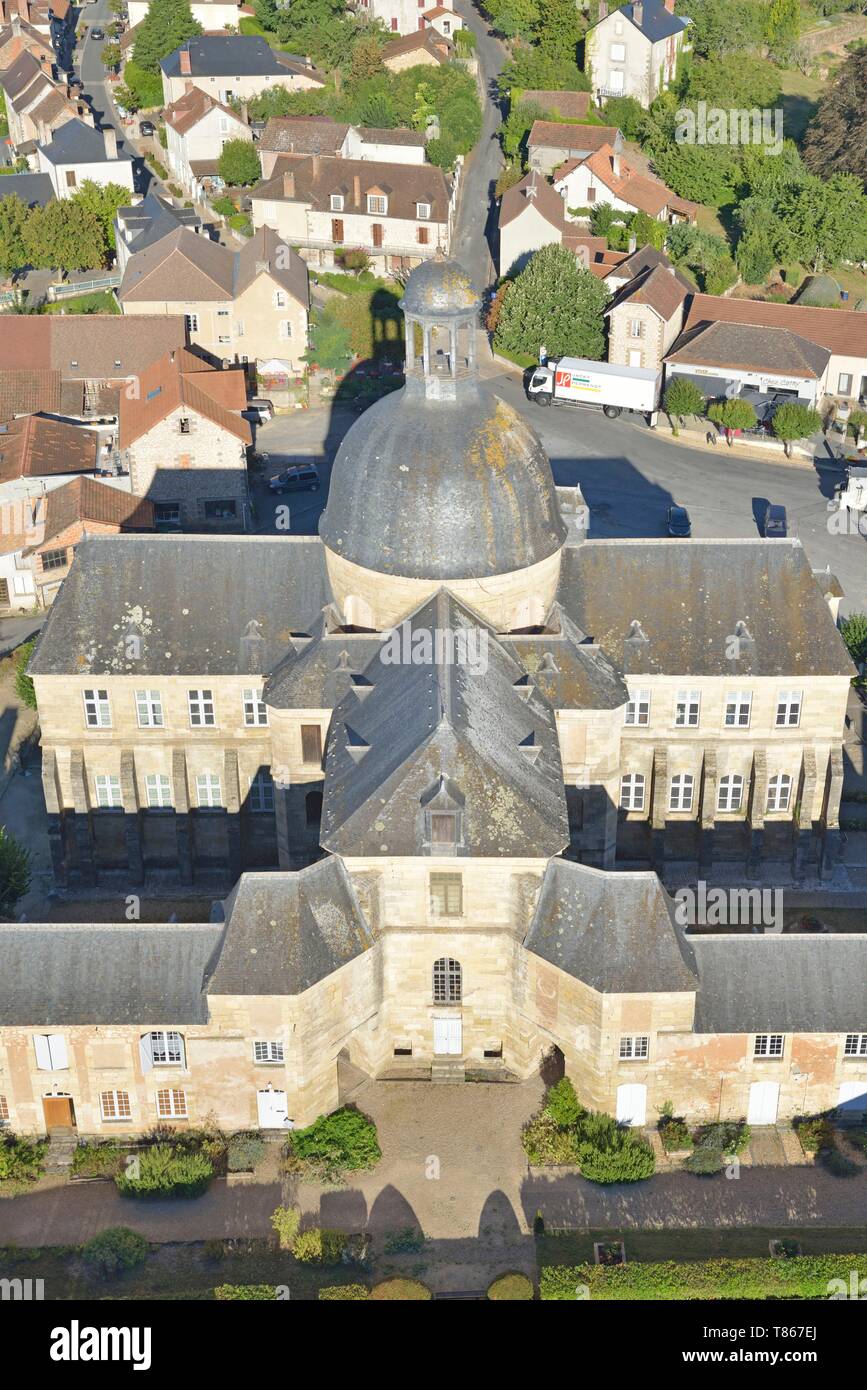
<point>599,385</point>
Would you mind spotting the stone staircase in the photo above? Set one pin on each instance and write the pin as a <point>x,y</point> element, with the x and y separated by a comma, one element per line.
<point>62,1144</point>
<point>447,1069</point>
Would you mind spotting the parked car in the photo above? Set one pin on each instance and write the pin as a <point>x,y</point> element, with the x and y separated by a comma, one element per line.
<point>97,34</point>
<point>298,478</point>
<point>75,82</point>
<point>776,523</point>
<point>258,411</point>
<point>146,128</point>
<point>679,523</point>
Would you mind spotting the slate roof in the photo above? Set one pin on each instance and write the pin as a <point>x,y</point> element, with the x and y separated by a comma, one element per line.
<point>656,287</point>
<point>184,267</point>
<point>149,221</point>
<point>36,447</point>
<point>318,671</point>
<point>133,973</point>
<point>433,722</point>
<point>397,135</point>
<point>77,143</point>
<point>87,346</point>
<point>181,378</point>
<point>303,135</point>
<point>613,931</point>
<point>780,982</point>
<point>286,931</point>
<point>569,670</point>
<point>34,190</point>
<point>442,489</point>
<point>143,584</point>
<point>87,499</point>
<point>842,331</point>
<point>750,348</point>
<point>688,598</point>
<point>236,55</point>
<point>656,21</point>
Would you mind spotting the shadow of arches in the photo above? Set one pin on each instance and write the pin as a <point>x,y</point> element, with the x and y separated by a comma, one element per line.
<point>344,1210</point>
<point>392,1212</point>
<point>498,1220</point>
<point>553,1066</point>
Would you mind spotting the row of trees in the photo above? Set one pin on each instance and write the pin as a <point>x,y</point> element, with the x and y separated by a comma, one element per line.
<point>792,420</point>
<point>67,234</point>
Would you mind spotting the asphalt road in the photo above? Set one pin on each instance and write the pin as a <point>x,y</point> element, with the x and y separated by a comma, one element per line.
<point>92,73</point>
<point>475,230</point>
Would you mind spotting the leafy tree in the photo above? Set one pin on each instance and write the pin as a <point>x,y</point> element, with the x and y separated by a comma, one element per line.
<point>63,236</point>
<point>517,126</point>
<point>720,27</point>
<point>110,56</point>
<point>647,231</point>
<point>13,220</point>
<point>759,236</point>
<point>761,176</point>
<point>115,1250</point>
<point>721,274</point>
<point>14,872</point>
<point>823,220</point>
<point>732,414</point>
<point>378,110</point>
<point>238,164</point>
<point>167,24</point>
<point>146,88</point>
<point>627,114</point>
<point>329,342</point>
<point>854,633</point>
<point>557,302</point>
<point>344,1141</point>
<point>103,201</point>
<point>720,82</point>
<point>702,173</point>
<point>783,28</point>
<point>793,421</point>
<point>515,19</point>
<point>366,58</point>
<point>682,397</point>
<point>836,139</point>
<point>559,29</point>
<point>355,260</point>
<point>539,68</point>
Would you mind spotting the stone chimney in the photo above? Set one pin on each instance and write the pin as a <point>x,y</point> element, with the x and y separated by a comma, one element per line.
<point>603,9</point>
<point>244,113</point>
<point>15,21</point>
<point>615,163</point>
<point>109,138</point>
<point>633,244</point>
<point>582,256</point>
<point>531,190</point>
<point>185,64</point>
<point>356,189</point>
<point>669,5</point>
<point>638,12</point>
<point>316,165</point>
<point>288,185</point>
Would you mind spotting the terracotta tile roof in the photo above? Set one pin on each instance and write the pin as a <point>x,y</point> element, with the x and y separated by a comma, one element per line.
<point>99,347</point>
<point>566,135</point>
<point>36,447</point>
<point>750,346</point>
<point>313,180</point>
<point>840,330</point>
<point>658,288</point>
<point>428,39</point>
<point>570,105</point>
<point>303,135</point>
<point>189,109</point>
<point>645,194</point>
<point>27,389</point>
<point>181,378</point>
<point>86,499</point>
<point>436,12</point>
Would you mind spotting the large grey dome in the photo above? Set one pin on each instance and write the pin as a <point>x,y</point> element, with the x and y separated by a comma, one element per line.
<point>439,286</point>
<point>442,489</point>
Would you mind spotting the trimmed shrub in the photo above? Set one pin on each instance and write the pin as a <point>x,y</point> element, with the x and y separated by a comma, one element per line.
<point>805,1276</point>
<point>344,1293</point>
<point>408,1241</point>
<point>96,1160</point>
<point>546,1144</point>
<point>342,1142</point>
<point>815,1133</point>
<point>115,1250</point>
<point>286,1221</point>
<point>562,1104</point>
<point>245,1293</point>
<point>244,1152</point>
<point>704,1161</point>
<point>511,1288</point>
<point>729,1137</point>
<point>21,1160</point>
<point>401,1289</point>
<point>164,1171</point>
<point>674,1134</point>
<point>625,1158</point>
<point>319,1247</point>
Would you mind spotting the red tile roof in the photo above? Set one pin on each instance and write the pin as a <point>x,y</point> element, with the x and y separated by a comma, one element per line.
<point>843,331</point>
<point>181,378</point>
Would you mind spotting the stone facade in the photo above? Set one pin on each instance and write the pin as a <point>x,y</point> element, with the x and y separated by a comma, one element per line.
<point>196,469</point>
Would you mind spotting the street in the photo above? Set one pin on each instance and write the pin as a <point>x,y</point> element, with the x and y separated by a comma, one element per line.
<point>92,73</point>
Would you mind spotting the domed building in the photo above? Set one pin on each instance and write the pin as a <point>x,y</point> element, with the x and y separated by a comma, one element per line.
<point>442,482</point>
<point>434,767</point>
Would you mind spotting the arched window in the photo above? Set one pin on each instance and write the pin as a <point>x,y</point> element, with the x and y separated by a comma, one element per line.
<point>731,792</point>
<point>447,981</point>
<point>779,792</point>
<point>632,792</point>
<point>313,808</point>
<point>680,792</point>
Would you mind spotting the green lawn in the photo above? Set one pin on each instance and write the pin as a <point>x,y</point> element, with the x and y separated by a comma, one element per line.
<point>799,101</point>
<point>99,302</point>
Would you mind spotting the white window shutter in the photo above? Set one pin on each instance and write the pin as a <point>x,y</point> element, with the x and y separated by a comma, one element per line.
<point>59,1051</point>
<point>146,1052</point>
<point>43,1051</point>
<point>183,1046</point>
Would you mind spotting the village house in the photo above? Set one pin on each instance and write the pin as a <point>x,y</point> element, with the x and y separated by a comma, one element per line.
<point>242,306</point>
<point>183,442</point>
<point>321,136</point>
<point>408,16</point>
<point>424,48</point>
<point>51,17</point>
<point>197,128</point>
<point>634,51</point>
<point>533,215</point>
<point>491,808</point>
<point>76,154</point>
<point>37,105</point>
<point>234,68</point>
<point>552,143</point>
<point>211,14</point>
<point>645,317</point>
<point>607,177</point>
<point>398,214</point>
<point>17,37</point>
<point>561,106</point>
<point>147,222</point>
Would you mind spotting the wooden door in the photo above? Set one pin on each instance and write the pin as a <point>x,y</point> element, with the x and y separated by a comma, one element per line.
<point>337,230</point>
<point>376,231</point>
<point>58,1112</point>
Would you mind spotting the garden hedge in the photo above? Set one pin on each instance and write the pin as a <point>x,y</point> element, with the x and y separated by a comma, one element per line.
<point>394,1289</point>
<point>245,1293</point>
<point>805,1276</point>
<point>344,1293</point>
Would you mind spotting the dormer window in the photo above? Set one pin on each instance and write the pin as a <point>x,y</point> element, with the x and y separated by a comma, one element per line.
<point>442,806</point>
<point>337,202</point>
<point>443,829</point>
<point>422,211</point>
<point>377,203</point>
